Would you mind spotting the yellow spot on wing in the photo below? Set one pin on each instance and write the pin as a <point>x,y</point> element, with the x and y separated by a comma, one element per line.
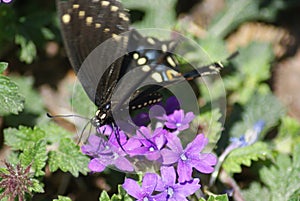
<point>75,6</point>
<point>66,18</point>
<point>105,3</point>
<point>81,13</point>
<point>89,21</point>
<point>114,8</point>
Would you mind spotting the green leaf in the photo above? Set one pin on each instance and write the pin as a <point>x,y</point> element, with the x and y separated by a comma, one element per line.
<point>256,192</point>
<point>239,11</point>
<point>28,49</point>
<point>282,178</point>
<point>252,70</point>
<point>62,198</point>
<point>244,156</point>
<point>10,99</point>
<point>37,186</point>
<point>288,135</point>
<point>33,103</point>
<point>104,196</point>
<point>121,196</point>
<point>36,156</point>
<point>23,138</point>
<point>3,66</point>
<point>265,108</point>
<point>68,158</point>
<point>54,132</point>
<point>218,198</point>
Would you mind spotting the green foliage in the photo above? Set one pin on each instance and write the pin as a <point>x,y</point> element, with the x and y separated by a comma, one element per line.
<point>62,198</point>
<point>256,192</point>
<point>282,178</point>
<point>261,107</point>
<point>10,99</point>
<point>34,103</point>
<point>157,13</point>
<point>239,11</point>
<point>211,127</point>
<point>121,196</point>
<point>68,158</point>
<point>244,156</point>
<point>252,70</point>
<point>28,49</point>
<point>35,145</point>
<point>288,135</point>
<point>216,198</point>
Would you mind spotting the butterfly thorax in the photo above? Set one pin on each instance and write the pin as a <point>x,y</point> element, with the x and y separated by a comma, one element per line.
<point>103,116</point>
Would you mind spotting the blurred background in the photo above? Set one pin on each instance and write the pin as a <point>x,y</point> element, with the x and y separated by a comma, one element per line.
<point>31,44</point>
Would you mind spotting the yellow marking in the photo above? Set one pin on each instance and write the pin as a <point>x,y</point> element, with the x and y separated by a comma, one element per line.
<point>105,3</point>
<point>154,101</point>
<point>89,21</point>
<point>98,112</point>
<point>142,61</point>
<point>146,68</point>
<point>151,41</point>
<point>171,61</point>
<point>97,25</point>
<point>133,107</point>
<point>66,18</point>
<point>150,101</point>
<point>139,106</point>
<point>81,13</point>
<point>116,37</point>
<point>136,56</point>
<point>106,30</point>
<point>157,77</point>
<point>171,74</point>
<point>103,116</point>
<point>75,6</point>
<point>145,103</point>
<point>114,8</point>
<point>164,48</point>
<point>123,16</point>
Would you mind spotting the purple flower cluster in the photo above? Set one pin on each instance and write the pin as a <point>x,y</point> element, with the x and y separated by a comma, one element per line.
<point>161,145</point>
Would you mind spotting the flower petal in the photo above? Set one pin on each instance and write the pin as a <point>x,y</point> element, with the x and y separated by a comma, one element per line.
<point>188,188</point>
<point>132,188</point>
<point>196,146</point>
<point>184,171</point>
<point>205,163</point>
<point>168,175</point>
<point>149,183</point>
<point>169,157</point>
<point>95,165</point>
<point>123,164</point>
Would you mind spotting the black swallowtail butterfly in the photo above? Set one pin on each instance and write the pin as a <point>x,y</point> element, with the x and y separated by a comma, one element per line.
<point>88,23</point>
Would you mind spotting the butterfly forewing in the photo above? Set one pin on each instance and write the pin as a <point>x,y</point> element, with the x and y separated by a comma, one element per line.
<point>85,25</point>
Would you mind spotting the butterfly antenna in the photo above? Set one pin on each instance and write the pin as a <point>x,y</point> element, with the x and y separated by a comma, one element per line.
<point>66,115</point>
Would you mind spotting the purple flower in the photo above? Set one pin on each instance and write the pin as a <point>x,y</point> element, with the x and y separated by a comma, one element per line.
<point>188,158</point>
<point>105,153</point>
<point>172,191</point>
<point>178,120</point>
<point>147,143</point>
<point>142,193</point>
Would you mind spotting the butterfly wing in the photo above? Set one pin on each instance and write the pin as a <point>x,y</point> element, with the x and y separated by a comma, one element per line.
<point>85,25</point>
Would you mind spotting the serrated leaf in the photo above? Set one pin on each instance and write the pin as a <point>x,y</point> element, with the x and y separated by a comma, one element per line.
<point>218,198</point>
<point>104,196</point>
<point>68,158</point>
<point>244,156</point>
<point>55,132</point>
<point>36,156</point>
<point>23,138</point>
<point>121,196</point>
<point>10,99</point>
<point>62,198</point>
<point>37,186</point>
<point>282,178</point>
<point>3,66</point>
<point>33,103</point>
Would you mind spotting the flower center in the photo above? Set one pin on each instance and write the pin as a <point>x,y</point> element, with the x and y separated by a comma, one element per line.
<point>151,149</point>
<point>145,199</point>
<point>178,124</point>
<point>170,191</point>
<point>183,157</point>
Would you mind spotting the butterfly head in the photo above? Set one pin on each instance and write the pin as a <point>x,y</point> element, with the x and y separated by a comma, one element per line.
<point>102,116</point>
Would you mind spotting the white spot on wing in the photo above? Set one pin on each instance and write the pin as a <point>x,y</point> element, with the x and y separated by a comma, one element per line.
<point>66,18</point>
<point>157,77</point>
